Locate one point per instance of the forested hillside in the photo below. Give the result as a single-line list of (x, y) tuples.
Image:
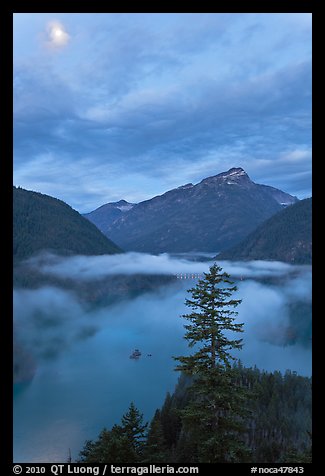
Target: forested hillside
[(286, 236), (41, 222), (278, 427)]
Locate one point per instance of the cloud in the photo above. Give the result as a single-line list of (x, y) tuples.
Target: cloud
[(48, 320), (177, 141), (41, 94), (83, 268), (87, 268), (166, 96), (51, 320), (267, 324), (296, 155)]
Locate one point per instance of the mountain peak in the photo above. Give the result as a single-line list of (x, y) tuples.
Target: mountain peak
[(234, 171), (123, 205), (120, 202), (233, 175), (211, 215)]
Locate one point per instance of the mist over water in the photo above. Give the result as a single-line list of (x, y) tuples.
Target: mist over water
[(85, 379)]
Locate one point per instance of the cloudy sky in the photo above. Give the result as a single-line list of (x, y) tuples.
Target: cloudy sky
[(112, 106)]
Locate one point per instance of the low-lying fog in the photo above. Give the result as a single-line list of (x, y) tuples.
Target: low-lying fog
[(85, 379)]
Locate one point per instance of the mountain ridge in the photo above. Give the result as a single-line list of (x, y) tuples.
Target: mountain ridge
[(212, 215), (286, 236), (104, 215), (42, 222)]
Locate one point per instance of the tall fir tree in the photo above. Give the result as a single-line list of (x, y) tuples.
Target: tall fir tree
[(134, 428), (213, 420), (122, 444), (111, 446)]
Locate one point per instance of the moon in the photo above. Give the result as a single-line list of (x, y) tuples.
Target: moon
[(57, 34)]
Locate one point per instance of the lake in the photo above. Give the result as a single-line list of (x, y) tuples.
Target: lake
[(89, 381)]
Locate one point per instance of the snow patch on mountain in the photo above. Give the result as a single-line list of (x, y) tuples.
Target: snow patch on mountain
[(125, 208)]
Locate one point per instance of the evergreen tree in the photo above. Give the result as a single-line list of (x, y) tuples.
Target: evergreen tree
[(122, 444), (279, 425), (214, 418), (111, 446), (134, 428), (170, 421), (210, 318), (88, 453), (156, 450)]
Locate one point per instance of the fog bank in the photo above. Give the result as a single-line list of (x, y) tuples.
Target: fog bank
[(50, 319), (88, 268), (85, 379)]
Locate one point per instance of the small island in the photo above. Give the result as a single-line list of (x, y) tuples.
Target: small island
[(136, 354)]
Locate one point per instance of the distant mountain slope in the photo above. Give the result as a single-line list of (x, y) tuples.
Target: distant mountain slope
[(105, 215), (41, 222), (286, 236), (212, 215)]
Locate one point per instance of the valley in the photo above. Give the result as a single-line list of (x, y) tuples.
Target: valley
[(82, 303), (84, 377), (162, 218)]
